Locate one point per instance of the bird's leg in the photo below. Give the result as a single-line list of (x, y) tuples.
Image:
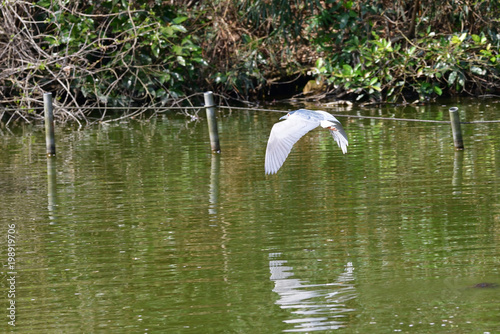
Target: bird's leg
[(328, 125)]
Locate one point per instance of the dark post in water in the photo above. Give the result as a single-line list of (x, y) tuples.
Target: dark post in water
[(456, 129), (212, 122), (49, 124)]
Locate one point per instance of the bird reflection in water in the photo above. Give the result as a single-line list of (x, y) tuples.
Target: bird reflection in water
[(314, 306)]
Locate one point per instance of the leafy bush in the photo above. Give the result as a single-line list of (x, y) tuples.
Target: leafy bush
[(107, 53), (369, 54), (425, 68), (128, 53)]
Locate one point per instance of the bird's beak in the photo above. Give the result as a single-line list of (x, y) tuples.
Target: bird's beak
[(284, 117)]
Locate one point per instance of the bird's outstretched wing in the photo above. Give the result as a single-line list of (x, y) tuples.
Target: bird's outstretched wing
[(282, 138)]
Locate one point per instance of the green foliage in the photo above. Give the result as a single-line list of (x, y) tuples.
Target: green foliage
[(339, 22), (131, 54), (366, 49), (367, 66), (143, 52)]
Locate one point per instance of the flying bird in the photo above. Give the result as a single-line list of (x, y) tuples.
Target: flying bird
[(296, 124)]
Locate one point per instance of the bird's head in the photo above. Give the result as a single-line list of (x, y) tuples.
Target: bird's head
[(287, 115)]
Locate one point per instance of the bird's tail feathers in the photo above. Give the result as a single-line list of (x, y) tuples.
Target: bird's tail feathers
[(338, 133), (341, 139)]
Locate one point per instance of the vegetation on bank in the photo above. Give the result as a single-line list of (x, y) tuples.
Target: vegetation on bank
[(134, 53)]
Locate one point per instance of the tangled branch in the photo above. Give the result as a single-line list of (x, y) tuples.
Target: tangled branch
[(103, 57)]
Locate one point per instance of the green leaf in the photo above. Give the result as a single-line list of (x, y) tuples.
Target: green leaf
[(438, 90), (456, 40), (477, 70), (344, 19), (347, 70), (479, 39), (452, 77), (376, 87), (320, 62), (160, 92), (155, 49), (179, 19), (200, 60), (220, 78), (44, 3), (177, 27), (461, 80), (164, 77), (167, 31), (178, 50), (181, 60)]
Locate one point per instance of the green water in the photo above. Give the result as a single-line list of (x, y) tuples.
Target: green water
[(137, 227)]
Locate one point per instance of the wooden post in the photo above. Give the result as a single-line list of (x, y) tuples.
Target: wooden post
[(49, 124), (456, 129), (212, 122)]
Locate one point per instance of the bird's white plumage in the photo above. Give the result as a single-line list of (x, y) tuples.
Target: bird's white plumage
[(285, 134), (338, 134)]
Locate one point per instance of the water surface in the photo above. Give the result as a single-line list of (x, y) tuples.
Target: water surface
[(138, 227)]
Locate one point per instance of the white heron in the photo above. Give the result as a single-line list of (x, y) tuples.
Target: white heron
[(297, 123)]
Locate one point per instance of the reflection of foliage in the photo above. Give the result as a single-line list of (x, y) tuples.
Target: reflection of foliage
[(148, 219)]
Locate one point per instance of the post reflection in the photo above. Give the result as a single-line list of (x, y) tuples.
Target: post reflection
[(51, 185), (213, 192), (458, 163)]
